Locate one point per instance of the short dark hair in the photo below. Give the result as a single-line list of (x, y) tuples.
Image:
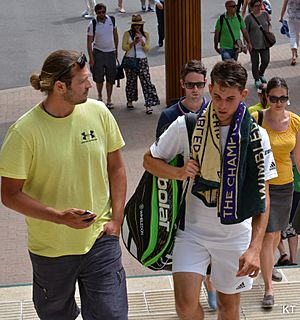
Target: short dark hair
[(276, 82), (55, 64), (100, 6), (192, 66), (229, 74)]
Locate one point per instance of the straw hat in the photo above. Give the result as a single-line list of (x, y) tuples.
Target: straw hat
[(136, 19)]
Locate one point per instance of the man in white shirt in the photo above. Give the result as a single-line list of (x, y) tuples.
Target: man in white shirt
[(233, 247), (102, 47)]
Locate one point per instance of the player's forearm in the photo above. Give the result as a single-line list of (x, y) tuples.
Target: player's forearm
[(159, 168)]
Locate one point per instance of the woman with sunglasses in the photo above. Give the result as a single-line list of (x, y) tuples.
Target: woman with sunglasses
[(136, 44), (283, 128)]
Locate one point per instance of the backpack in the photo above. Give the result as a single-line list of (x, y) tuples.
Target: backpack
[(94, 21), (153, 214)]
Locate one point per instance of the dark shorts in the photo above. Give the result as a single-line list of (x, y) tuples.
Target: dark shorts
[(101, 280), (104, 65), (281, 197)]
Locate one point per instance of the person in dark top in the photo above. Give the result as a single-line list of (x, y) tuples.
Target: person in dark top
[(193, 80)]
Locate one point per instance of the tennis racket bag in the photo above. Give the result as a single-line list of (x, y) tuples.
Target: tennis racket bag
[(153, 214)]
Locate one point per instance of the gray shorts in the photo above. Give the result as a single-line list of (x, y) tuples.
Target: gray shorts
[(101, 280), (281, 197), (104, 65)]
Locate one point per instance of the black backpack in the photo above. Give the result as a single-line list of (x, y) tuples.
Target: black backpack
[(153, 215)]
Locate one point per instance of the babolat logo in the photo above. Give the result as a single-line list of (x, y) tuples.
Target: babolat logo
[(163, 204), (88, 136)]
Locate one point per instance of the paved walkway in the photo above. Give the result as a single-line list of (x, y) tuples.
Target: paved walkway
[(138, 130)]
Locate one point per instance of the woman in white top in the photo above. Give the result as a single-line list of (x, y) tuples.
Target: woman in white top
[(293, 10), (136, 44)]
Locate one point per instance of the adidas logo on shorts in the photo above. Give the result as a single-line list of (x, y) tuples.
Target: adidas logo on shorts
[(272, 165), (241, 286)]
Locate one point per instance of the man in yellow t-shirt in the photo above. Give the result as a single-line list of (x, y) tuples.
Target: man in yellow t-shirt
[(61, 166)]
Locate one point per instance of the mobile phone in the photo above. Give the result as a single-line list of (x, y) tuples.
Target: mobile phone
[(88, 212)]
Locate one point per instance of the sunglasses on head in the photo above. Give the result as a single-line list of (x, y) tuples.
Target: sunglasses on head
[(191, 85), (275, 99), (81, 60)]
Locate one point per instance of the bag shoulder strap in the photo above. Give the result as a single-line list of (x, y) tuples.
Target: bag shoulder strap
[(230, 30), (113, 20), (132, 37), (260, 117), (190, 121), (239, 18), (259, 25), (94, 21)]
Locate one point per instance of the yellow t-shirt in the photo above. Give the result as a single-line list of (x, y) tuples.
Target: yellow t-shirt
[(282, 144), (64, 163)]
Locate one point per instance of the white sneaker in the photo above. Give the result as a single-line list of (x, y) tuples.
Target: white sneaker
[(122, 10), (84, 13), (89, 16)]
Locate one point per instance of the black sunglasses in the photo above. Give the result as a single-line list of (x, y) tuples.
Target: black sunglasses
[(232, 6), (275, 99), (81, 60), (191, 85), (100, 12)]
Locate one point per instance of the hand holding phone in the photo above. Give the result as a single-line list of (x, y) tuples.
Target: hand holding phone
[(88, 212)]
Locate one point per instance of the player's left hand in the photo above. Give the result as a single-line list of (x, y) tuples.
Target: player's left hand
[(249, 263), (112, 227)]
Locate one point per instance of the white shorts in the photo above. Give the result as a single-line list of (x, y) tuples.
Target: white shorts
[(190, 255)]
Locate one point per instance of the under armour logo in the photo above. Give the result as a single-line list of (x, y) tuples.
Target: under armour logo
[(88, 136)]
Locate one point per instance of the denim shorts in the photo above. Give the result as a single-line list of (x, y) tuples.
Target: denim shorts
[(101, 281), (229, 54)]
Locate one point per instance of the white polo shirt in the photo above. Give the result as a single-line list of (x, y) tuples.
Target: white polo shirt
[(104, 35)]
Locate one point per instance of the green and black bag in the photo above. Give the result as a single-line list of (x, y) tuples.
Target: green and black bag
[(154, 213)]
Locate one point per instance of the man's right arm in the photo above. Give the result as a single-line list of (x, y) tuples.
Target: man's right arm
[(217, 35), (216, 41), (160, 168), (14, 198)]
